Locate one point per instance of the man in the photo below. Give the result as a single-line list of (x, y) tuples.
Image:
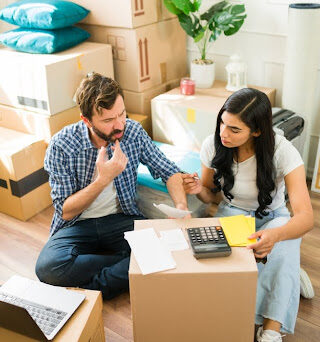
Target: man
[(92, 168)]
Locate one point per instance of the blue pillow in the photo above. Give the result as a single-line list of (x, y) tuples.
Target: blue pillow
[(43, 41), (43, 14)]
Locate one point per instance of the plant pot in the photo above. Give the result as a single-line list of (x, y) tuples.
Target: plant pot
[(202, 72)]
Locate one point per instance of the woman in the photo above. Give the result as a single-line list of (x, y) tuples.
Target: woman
[(246, 167)]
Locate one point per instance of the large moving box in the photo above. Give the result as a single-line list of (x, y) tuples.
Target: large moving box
[(200, 300), (42, 126), (47, 83), (124, 13), (85, 325), (185, 120), (141, 102), (146, 56), (24, 187)]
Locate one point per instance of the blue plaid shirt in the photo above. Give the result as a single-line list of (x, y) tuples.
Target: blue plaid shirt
[(70, 161)]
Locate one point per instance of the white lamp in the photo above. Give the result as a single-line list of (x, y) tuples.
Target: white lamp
[(237, 73)]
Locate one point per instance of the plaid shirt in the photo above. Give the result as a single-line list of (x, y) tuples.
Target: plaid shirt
[(70, 161)]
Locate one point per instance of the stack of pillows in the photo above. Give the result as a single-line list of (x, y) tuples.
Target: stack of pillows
[(45, 25)]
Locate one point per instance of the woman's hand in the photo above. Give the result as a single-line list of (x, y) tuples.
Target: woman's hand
[(191, 183), (267, 239)]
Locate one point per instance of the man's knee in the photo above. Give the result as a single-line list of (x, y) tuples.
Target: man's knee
[(48, 269)]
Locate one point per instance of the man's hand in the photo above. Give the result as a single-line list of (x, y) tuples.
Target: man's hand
[(268, 237), (191, 183), (108, 169)]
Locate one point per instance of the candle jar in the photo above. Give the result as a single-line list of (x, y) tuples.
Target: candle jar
[(187, 86)]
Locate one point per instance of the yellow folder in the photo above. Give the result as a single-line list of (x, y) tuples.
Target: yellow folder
[(237, 229)]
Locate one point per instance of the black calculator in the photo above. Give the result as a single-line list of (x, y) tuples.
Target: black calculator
[(208, 242)]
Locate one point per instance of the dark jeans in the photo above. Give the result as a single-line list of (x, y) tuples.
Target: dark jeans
[(91, 254)]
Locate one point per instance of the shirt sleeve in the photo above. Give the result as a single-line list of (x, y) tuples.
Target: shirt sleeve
[(63, 184), (156, 161), (207, 151), (287, 157)]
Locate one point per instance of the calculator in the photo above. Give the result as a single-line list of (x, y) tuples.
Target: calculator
[(208, 242)]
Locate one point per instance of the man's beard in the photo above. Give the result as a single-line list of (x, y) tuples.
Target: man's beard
[(108, 138)]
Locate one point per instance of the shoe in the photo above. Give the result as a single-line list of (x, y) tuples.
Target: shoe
[(268, 335), (306, 289)]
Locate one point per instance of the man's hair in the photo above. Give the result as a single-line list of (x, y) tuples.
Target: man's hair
[(97, 91)]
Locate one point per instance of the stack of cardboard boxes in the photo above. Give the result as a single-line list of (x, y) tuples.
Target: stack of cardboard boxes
[(36, 101), (148, 46)]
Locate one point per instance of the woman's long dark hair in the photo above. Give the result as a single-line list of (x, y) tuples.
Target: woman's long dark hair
[(254, 109)]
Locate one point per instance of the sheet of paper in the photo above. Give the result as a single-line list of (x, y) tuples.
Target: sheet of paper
[(174, 239), (151, 255), (237, 229), (171, 211), (252, 229)]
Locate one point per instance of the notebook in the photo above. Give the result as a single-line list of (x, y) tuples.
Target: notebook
[(237, 230), (35, 309)]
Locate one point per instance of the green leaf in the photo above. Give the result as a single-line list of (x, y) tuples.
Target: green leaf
[(199, 36), (223, 18), (235, 28), (187, 24), (196, 5), (186, 6), (237, 9), (212, 10), (171, 7), (214, 36)]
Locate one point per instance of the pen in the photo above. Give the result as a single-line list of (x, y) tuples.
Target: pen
[(195, 177)]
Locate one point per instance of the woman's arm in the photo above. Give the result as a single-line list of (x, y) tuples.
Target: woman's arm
[(299, 224), (201, 187), (302, 220)]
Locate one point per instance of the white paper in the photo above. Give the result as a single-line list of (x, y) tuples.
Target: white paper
[(174, 239), (151, 255), (171, 211)]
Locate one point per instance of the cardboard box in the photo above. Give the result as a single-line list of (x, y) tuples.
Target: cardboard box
[(47, 83), (124, 13), (219, 90), (144, 120), (141, 102), (146, 56), (199, 300), (24, 187), (186, 121), (42, 126), (84, 325)]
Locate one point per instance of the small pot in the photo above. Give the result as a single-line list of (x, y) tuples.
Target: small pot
[(203, 72)]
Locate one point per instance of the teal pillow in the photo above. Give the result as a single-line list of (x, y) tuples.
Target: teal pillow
[(43, 14), (43, 41)]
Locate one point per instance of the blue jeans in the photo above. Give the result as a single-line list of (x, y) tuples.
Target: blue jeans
[(91, 254), (278, 288)]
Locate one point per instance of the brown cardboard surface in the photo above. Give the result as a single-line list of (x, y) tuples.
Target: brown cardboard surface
[(186, 120), (85, 324), (24, 190), (198, 300), (124, 13), (46, 83), (144, 120), (40, 125), (141, 102), (219, 90), (146, 56)]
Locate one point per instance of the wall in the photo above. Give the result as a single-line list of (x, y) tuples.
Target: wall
[(261, 42)]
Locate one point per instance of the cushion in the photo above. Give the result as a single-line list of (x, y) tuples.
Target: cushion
[(43, 14), (43, 41)]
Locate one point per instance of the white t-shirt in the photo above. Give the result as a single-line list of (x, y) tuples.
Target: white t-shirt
[(106, 203), (245, 191)]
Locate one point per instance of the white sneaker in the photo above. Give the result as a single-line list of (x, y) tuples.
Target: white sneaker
[(306, 289), (268, 335)]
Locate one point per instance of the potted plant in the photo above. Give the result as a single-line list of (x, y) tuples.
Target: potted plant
[(205, 28)]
